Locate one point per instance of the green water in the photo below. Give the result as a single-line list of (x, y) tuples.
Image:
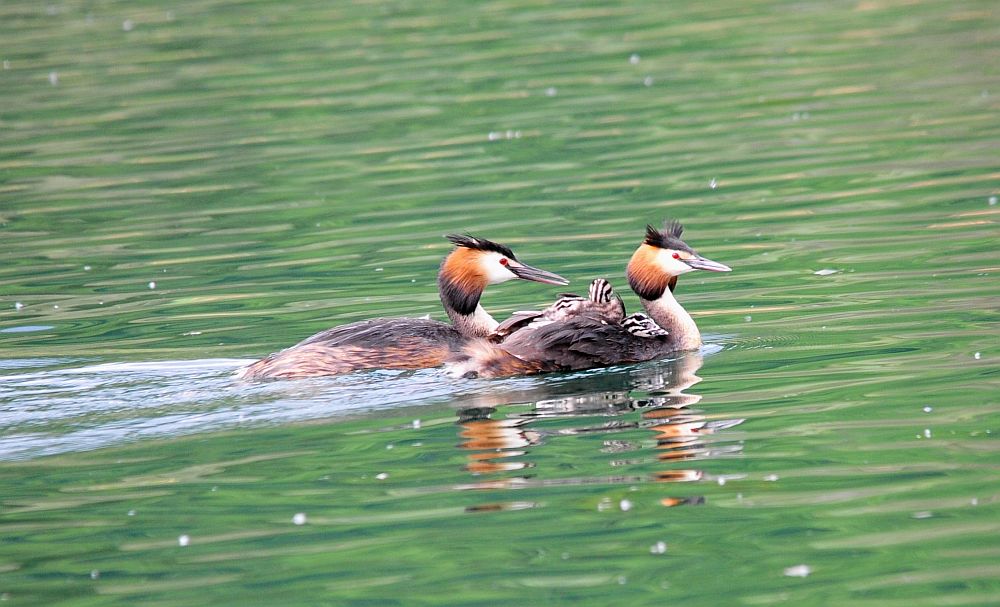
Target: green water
[(185, 187)]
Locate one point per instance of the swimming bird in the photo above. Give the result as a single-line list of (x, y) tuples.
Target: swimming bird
[(410, 343), (590, 337)]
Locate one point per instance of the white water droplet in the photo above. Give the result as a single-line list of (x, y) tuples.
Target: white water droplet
[(299, 518), (184, 540), (152, 284), (798, 571), (625, 505), (658, 548)]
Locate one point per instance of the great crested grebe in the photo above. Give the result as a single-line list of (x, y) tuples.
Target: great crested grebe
[(410, 343), (590, 336)]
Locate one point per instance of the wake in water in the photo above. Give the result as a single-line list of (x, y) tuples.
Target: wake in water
[(50, 411)]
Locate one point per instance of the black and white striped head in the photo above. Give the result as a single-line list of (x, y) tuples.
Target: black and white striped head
[(601, 291), (641, 325)]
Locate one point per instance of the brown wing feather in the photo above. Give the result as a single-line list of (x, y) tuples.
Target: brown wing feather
[(381, 343)]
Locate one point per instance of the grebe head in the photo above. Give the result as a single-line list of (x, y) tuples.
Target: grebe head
[(661, 258), (494, 262), (476, 263)]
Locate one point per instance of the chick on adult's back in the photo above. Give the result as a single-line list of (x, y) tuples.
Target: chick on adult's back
[(585, 340)]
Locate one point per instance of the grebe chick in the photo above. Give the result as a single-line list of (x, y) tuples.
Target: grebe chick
[(601, 303), (410, 343), (582, 341)]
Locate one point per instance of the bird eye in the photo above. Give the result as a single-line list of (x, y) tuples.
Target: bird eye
[(676, 255), (503, 261)]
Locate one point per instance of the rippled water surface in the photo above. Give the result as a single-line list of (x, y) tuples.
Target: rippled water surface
[(186, 187)]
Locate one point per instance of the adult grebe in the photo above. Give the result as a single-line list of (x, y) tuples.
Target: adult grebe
[(410, 343), (592, 337)]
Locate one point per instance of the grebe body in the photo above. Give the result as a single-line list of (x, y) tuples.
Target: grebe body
[(410, 343)]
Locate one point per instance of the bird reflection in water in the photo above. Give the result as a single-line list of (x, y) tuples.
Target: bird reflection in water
[(499, 434)]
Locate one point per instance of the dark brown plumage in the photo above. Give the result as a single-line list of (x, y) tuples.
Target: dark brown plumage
[(573, 333), (601, 303)]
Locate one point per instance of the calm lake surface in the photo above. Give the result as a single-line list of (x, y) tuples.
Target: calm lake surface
[(185, 187)]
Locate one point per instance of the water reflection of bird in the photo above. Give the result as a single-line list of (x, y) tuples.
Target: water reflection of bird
[(410, 343), (595, 332), (498, 438)]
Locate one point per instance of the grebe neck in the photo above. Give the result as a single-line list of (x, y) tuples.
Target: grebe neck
[(461, 301), (477, 324), (671, 315)]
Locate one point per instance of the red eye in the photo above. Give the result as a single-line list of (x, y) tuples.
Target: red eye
[(503, 261), (676, 255)]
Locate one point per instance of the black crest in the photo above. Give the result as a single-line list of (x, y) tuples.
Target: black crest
[(667, 238), (480, 244)]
